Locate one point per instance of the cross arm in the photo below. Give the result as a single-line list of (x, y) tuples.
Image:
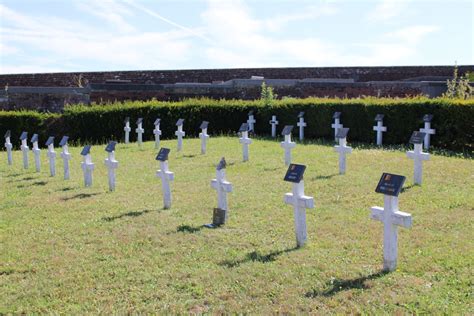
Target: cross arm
[(303, 201), (402, 219), (377, 213)]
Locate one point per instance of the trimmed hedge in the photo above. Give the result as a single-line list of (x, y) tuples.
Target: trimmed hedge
[(453, 119)]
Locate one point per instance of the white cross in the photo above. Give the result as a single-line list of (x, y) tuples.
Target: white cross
[(9, 146), (52, 160), (180, 135), (336, 126), (288, 145), (222, 186), (379, 128), (36, 152), (139, 132), (157, 133), (342, 149), (301, 124), (127, 130), (87, 168), (273, 123), (204, 137), (429, 131), (251, 121), (166, 176), (24, 148), (245, 141), (391, 217), (111, 164), (418, 156), (300, 203), (66, 156)]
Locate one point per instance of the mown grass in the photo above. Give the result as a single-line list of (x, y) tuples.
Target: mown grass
[(69, 249)]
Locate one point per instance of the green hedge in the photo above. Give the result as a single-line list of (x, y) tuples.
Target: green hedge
[(453, 119)]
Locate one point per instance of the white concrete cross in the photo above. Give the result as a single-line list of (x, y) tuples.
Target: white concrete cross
[(336, 126), (111, 163), (36, 152), (300, 203), (87, 166), (204, 136), (391, 217), (157, 133), (418, 156), (273, 122), (222, 186), (66, 156), (9, 146), (180, 134), (251, 121), (139, 132), (52, 156), (127, 130), (288, 145), (245, 141), (24, 148), (428, 131), (342, 149), (166, 176), (379, 129), (301, 124)]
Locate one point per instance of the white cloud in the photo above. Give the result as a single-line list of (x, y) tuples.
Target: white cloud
[(412, 34), (385, 10), (109, 11)]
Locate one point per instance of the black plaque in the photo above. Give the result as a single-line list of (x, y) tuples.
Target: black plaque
[(244, 127), (222, 164), (301, 114), (8, 134), (295, 173), (24, 135), (127, 120), (86, 150), (110, 146), (49, 141), (336, 115), (63, 141), (180, 122), (204, 125), (417, 137), (428, 117), (390, 184), (163, 154), (342, 132), (140, 120), (34, 138), (379, 117), (157, 121), (218, 217), (287, 130)]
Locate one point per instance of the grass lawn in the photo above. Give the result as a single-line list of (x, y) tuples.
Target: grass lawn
[(71, 250)]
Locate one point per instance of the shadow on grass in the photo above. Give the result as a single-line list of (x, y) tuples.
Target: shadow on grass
[(79, 196), (404, 189), (321, 177), (339, 285), (256, 256), (37, 183), (66, 189), (13, 271), (189, 156), (128, 214), (189, 229)]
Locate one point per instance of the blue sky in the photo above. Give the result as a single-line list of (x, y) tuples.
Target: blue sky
[(100, 35)]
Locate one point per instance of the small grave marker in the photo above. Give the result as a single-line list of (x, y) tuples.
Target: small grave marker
[(111, 164), (87, 165), (337, 125), (299, 201), (245, 140), (157, 133), (140, 131), (36, 152), (203, 136), (390, 185), (127, 130), (273, 122), (251, 121), (9, 146), (24, 149), (342, 148), (51, 155), (379, 128), (222, 186), (418, 155), (288, 145), (165, 175), (301, 124), (65, 155), (427, 130), (180, 133)]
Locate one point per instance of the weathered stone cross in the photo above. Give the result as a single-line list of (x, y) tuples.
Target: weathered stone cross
[(342, 149), (24, 149), (301, 124), (127, 130), (165, 175), (65, 155), (273, 122), (288, 145), (203, 136), (180, 133), (222, 186), (36, 152), (111, 164), (418, 156), (336, 126), (8, 146), (245, 140), (139, 132), (427, 130), (379, 128), (157, 133), (251, 121), (51, 155), (87, 165)]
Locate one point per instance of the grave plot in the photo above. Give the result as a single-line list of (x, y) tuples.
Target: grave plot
[(74, 249)]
